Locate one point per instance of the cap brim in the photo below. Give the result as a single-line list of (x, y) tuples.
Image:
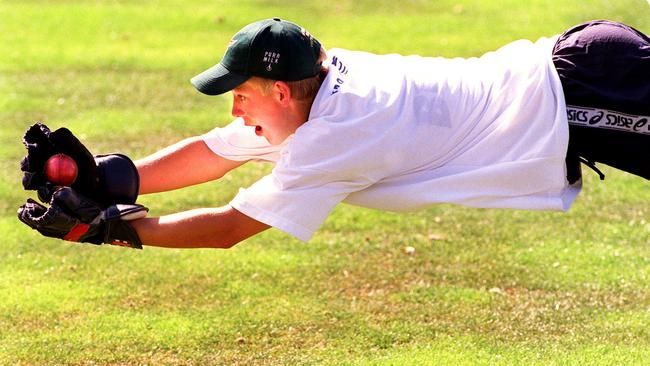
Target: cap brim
[(217, 80)]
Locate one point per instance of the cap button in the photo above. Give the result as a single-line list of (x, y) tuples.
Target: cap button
[(277, 19)]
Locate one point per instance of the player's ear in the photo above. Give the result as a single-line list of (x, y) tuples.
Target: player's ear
[(282, 91)]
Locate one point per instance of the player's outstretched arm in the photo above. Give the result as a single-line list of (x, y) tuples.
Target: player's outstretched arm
[(183, 164), (200, 228), (71, 216)]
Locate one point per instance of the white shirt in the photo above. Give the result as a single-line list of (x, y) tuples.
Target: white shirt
[(401, 133)]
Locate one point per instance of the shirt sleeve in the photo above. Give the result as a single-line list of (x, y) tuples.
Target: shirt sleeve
[(238, 142)]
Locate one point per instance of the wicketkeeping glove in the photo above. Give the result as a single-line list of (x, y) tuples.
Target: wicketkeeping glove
[(106, 179), (74, 217)]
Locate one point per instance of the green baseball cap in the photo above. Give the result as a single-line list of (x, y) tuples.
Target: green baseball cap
[(272, 48)]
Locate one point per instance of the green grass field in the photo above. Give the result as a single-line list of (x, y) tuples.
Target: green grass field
[(486, 287)]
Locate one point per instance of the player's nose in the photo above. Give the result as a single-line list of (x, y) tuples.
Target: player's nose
[(236, 111)]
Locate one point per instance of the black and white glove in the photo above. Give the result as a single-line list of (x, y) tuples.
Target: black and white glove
[(73, 217), (106, 179)]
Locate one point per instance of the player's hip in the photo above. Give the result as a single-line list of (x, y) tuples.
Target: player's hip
[(604, 68)]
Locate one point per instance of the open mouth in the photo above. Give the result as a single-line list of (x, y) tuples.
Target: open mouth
[(258, 130)]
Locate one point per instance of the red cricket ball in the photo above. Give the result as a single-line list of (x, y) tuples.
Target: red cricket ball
[(61, 170)]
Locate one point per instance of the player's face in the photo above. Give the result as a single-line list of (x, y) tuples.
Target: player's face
[(263, 112)]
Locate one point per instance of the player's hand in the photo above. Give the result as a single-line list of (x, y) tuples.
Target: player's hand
[(41, 144), (73, 217), (107, 179)]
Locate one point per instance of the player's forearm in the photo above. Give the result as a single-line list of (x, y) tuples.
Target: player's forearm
[(185, 163), (199, 228)]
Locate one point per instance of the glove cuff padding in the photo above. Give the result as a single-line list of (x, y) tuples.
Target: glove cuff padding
[(121, 233), (118, 231), (120, 181)]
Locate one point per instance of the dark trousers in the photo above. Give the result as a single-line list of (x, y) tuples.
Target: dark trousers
[(604, 68)]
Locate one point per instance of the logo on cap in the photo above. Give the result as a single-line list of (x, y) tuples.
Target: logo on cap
[(271, 58)]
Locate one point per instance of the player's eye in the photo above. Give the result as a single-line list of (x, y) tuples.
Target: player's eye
[(239, 97)]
